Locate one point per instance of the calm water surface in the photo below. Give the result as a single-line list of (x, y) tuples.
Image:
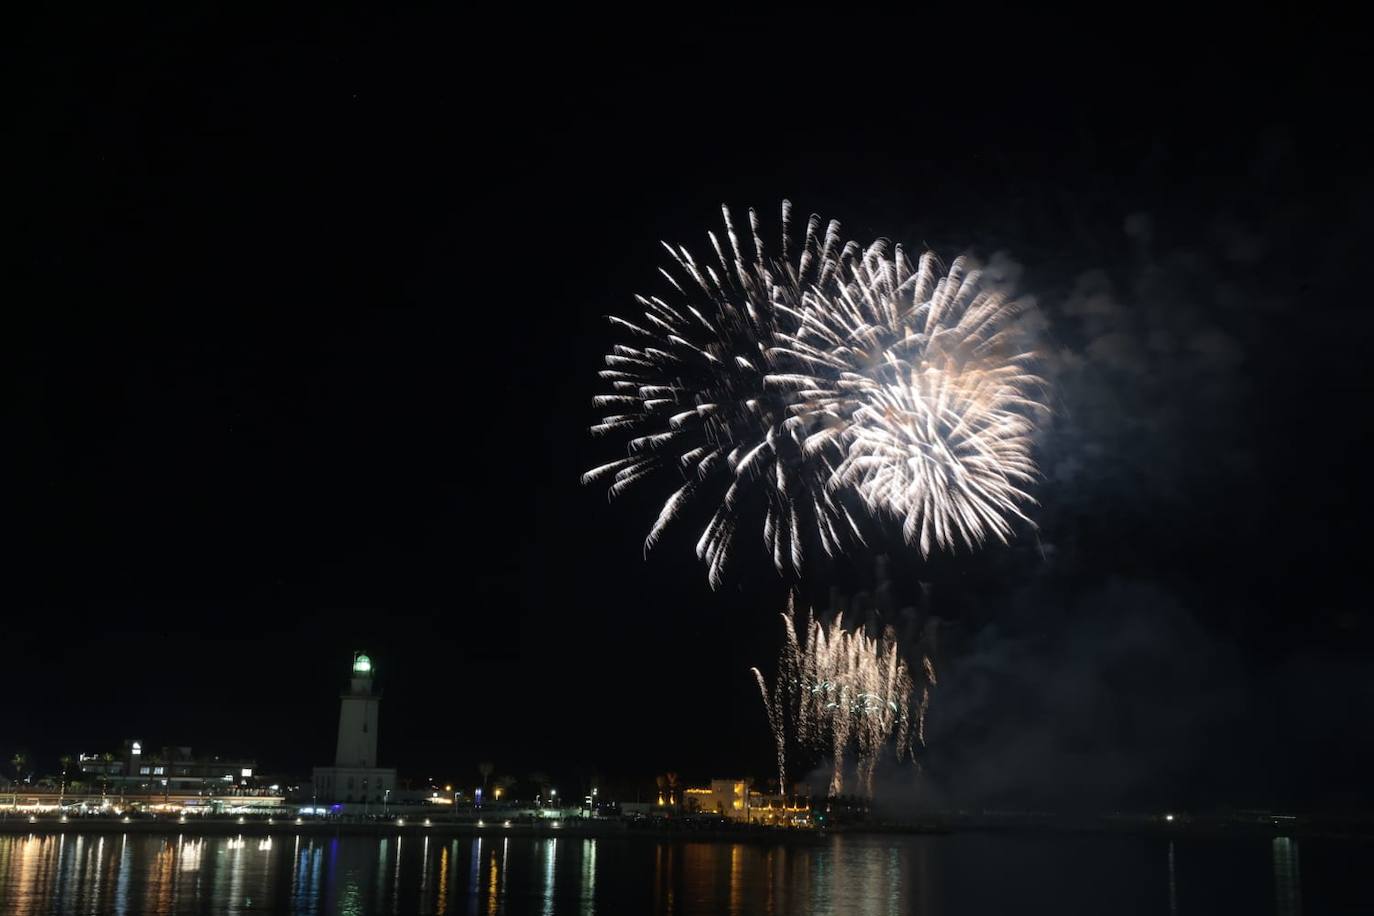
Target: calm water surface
[(138, 874)]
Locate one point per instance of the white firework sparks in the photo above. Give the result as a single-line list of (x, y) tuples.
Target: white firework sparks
[(839, 689), (690, 392), (781, 385), (921, 382)]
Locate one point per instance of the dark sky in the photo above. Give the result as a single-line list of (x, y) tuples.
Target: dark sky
[(308, 313)]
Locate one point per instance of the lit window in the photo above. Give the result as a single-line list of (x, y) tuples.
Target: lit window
[(144, 771), (157, 771)]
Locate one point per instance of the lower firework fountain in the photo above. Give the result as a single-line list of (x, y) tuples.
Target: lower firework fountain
[(844, 693)]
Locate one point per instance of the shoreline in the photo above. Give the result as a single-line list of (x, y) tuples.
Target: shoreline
[(380, 829), (1351, 830)]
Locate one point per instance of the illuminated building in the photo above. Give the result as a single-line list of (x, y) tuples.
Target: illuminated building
[(355, 776), (734, 800), (779, 810), (159, 780), (173, 769), (728, 798)]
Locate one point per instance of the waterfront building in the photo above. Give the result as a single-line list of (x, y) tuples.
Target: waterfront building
[(728, 798), (734, 799), (168, 769), (776, 810), (355, 776)]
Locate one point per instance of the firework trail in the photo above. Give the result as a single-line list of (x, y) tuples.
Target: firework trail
[(920, 380), (838, 689), (690, 392), (925, 700)]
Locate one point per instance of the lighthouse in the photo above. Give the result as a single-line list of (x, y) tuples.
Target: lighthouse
[(358, 708), (355, 782)]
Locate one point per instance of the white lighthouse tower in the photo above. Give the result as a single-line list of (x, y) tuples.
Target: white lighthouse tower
[(358, 707), (355, 782)]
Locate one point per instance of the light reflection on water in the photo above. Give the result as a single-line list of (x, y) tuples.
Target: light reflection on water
[(863, 876), (1287, 886)]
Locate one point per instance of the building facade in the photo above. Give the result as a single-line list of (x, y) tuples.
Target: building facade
[(175, 769), (734, 800)]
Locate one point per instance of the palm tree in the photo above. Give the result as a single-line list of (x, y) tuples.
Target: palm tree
[(18, 761), (66, 761), (108, 760), (485, 768), (541, 780)]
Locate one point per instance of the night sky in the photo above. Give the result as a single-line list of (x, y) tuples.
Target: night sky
[(308, 314)]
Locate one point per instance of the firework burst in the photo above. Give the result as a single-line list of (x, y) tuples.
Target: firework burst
[(828, 382), (839, 691), (919, 381), (689, 390)]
